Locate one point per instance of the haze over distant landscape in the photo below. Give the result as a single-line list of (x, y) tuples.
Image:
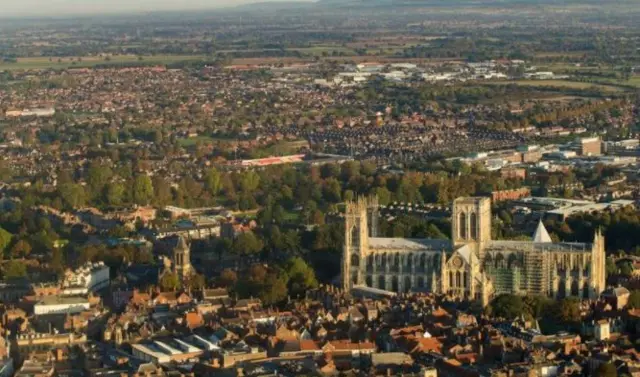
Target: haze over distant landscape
[(58, 8)]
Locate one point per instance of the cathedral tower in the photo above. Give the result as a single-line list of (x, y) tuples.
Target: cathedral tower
[(471, 223), (361, 222), (598, 265)]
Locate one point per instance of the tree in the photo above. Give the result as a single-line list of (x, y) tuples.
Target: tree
[(274, 289), (568, 310), (332, 191), (196, 281), (249, 181), (537, 306), (157, 135), (169, 282), (607, 370), (626, 269), (300, 276), (5, 240), (222, 246), (252, 281), (384, 195), (15, 269), (142, 190), (228, 278), (507, 306), (97, 177), (162, 191), (115, 193), (213, 181), (21, 249), (247, 243), (72, 195)]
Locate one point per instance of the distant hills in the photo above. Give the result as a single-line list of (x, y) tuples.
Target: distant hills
[(453, 3), (374, 4)]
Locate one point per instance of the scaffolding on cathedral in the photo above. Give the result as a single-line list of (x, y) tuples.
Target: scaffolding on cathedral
[(537, 273)]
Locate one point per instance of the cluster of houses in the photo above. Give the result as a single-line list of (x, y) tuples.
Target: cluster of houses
[(329, 332)]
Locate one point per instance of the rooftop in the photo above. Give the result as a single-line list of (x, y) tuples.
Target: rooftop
[(62, 300), (407, 244)]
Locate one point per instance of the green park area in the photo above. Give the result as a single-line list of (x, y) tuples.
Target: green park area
[(41, 62)]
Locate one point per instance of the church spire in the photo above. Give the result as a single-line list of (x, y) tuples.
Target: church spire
[(541, 235)]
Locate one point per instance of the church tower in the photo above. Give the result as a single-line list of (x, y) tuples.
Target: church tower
[(598, 266), (471, 223), (358, 217), (182, 259)]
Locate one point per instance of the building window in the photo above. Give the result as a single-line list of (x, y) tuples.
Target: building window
[(473, 220), (575, 290), (562, 293), (355, 260), (463, 226), (381, 282), (585, 290), (355, 237)]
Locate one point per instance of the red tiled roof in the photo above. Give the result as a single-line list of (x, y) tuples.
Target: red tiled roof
[(428, 345), (308, 345), (194, 320)]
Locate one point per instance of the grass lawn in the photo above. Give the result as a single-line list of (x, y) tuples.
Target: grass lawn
[(90, 61), (292, 217)]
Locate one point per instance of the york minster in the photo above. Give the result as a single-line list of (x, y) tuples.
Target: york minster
[(470, 266)]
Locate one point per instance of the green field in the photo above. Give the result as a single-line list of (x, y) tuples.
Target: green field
[(90, 61), (319, 50), (634, 81), (558, 84)]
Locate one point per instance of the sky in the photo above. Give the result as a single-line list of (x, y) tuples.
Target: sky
[(57, 8)]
